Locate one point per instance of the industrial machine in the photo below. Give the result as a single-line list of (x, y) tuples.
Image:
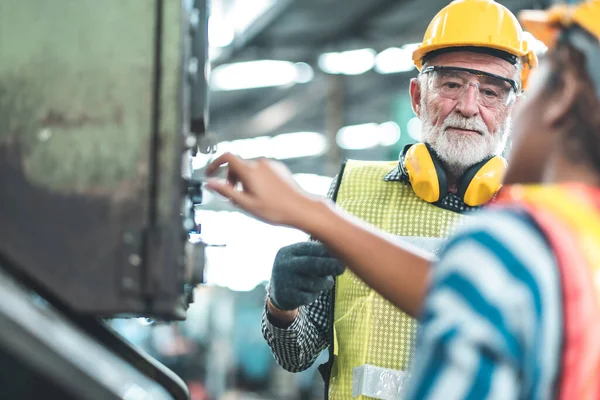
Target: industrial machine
[(102, 105)]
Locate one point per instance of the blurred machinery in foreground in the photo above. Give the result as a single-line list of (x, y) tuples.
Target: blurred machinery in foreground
[(102, 103)]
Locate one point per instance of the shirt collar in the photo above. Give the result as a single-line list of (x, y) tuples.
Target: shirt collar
[(395, 175)]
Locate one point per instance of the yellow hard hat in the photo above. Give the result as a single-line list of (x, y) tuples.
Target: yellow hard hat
[(545, 25), (477, 24)]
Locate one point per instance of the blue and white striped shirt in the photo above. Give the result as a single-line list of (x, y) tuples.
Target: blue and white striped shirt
[(492, 320)]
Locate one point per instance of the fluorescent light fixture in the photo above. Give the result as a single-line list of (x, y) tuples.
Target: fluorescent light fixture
[(414, 128), (257, 74), (330, 63), (244, 12), (357, 137), (220, 33), (394, 60), (389, 133), (357, 62), (410, 47), (304, 73), (246, 148), (366, 136), (352, 62), (299, 144), (280, 147)]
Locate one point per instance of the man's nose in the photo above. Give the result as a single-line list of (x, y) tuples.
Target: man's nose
[(468, 102)]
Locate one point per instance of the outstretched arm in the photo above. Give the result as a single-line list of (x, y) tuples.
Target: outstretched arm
[(398, 271)]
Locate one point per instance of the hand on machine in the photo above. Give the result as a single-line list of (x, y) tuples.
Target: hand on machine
[(263, 187)]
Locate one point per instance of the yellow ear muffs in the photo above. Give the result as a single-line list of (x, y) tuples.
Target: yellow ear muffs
[(477, 186), (482, 181), (426, 175)]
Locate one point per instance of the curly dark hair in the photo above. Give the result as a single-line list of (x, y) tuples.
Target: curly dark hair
[(582, 122)]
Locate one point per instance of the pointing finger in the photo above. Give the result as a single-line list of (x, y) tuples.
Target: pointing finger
[(236, 165), (224, 189)]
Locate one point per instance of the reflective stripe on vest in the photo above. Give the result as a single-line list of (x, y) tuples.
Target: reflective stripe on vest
[(371, 336), (569, 216)]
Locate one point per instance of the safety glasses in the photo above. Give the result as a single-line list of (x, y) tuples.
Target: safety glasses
[(451, 82)]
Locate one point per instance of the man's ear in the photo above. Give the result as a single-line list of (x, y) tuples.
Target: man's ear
[(415, 96), (561, 103)]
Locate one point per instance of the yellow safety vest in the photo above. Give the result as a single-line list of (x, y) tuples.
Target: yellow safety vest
[(373, 340)]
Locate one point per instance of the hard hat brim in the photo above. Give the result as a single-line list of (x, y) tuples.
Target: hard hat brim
[(423, 50)]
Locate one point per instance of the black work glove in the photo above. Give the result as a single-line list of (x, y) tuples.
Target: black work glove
[(300, 273)]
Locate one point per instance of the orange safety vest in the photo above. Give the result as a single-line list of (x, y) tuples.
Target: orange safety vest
[(569, 216)]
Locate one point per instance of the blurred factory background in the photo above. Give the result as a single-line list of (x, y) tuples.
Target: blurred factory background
[(310, 83)]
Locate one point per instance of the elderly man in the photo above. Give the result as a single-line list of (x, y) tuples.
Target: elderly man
[(473, 64)]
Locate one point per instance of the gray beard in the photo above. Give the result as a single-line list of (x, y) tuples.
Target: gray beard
[(459, 151)]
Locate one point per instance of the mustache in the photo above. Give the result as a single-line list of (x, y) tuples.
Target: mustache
[(472, 124)]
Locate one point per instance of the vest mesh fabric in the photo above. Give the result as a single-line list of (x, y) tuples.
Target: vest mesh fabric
[(367, 328)]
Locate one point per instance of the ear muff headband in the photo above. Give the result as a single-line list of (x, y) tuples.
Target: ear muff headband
[(477, 186)]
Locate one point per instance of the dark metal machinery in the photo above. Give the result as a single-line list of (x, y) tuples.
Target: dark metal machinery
[(102, 103)]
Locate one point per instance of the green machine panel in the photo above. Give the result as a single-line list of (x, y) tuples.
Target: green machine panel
[(97, 101)]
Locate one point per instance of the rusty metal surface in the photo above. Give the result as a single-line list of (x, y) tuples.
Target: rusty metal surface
[(90, 176)]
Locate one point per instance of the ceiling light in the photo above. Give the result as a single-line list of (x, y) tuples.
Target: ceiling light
[(410, 47), (352, 62), (220, 33), (299, 144), (366, 136), (389, 133), (330, 63), (257, 74), (280, 147), (304, 72), (244, 12), (394, 60), (357, 137)]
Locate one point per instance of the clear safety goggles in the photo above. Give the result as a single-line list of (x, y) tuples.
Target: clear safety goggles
[(451, 82)]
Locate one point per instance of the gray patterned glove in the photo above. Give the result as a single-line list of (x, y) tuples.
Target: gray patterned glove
[(300, 273)]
